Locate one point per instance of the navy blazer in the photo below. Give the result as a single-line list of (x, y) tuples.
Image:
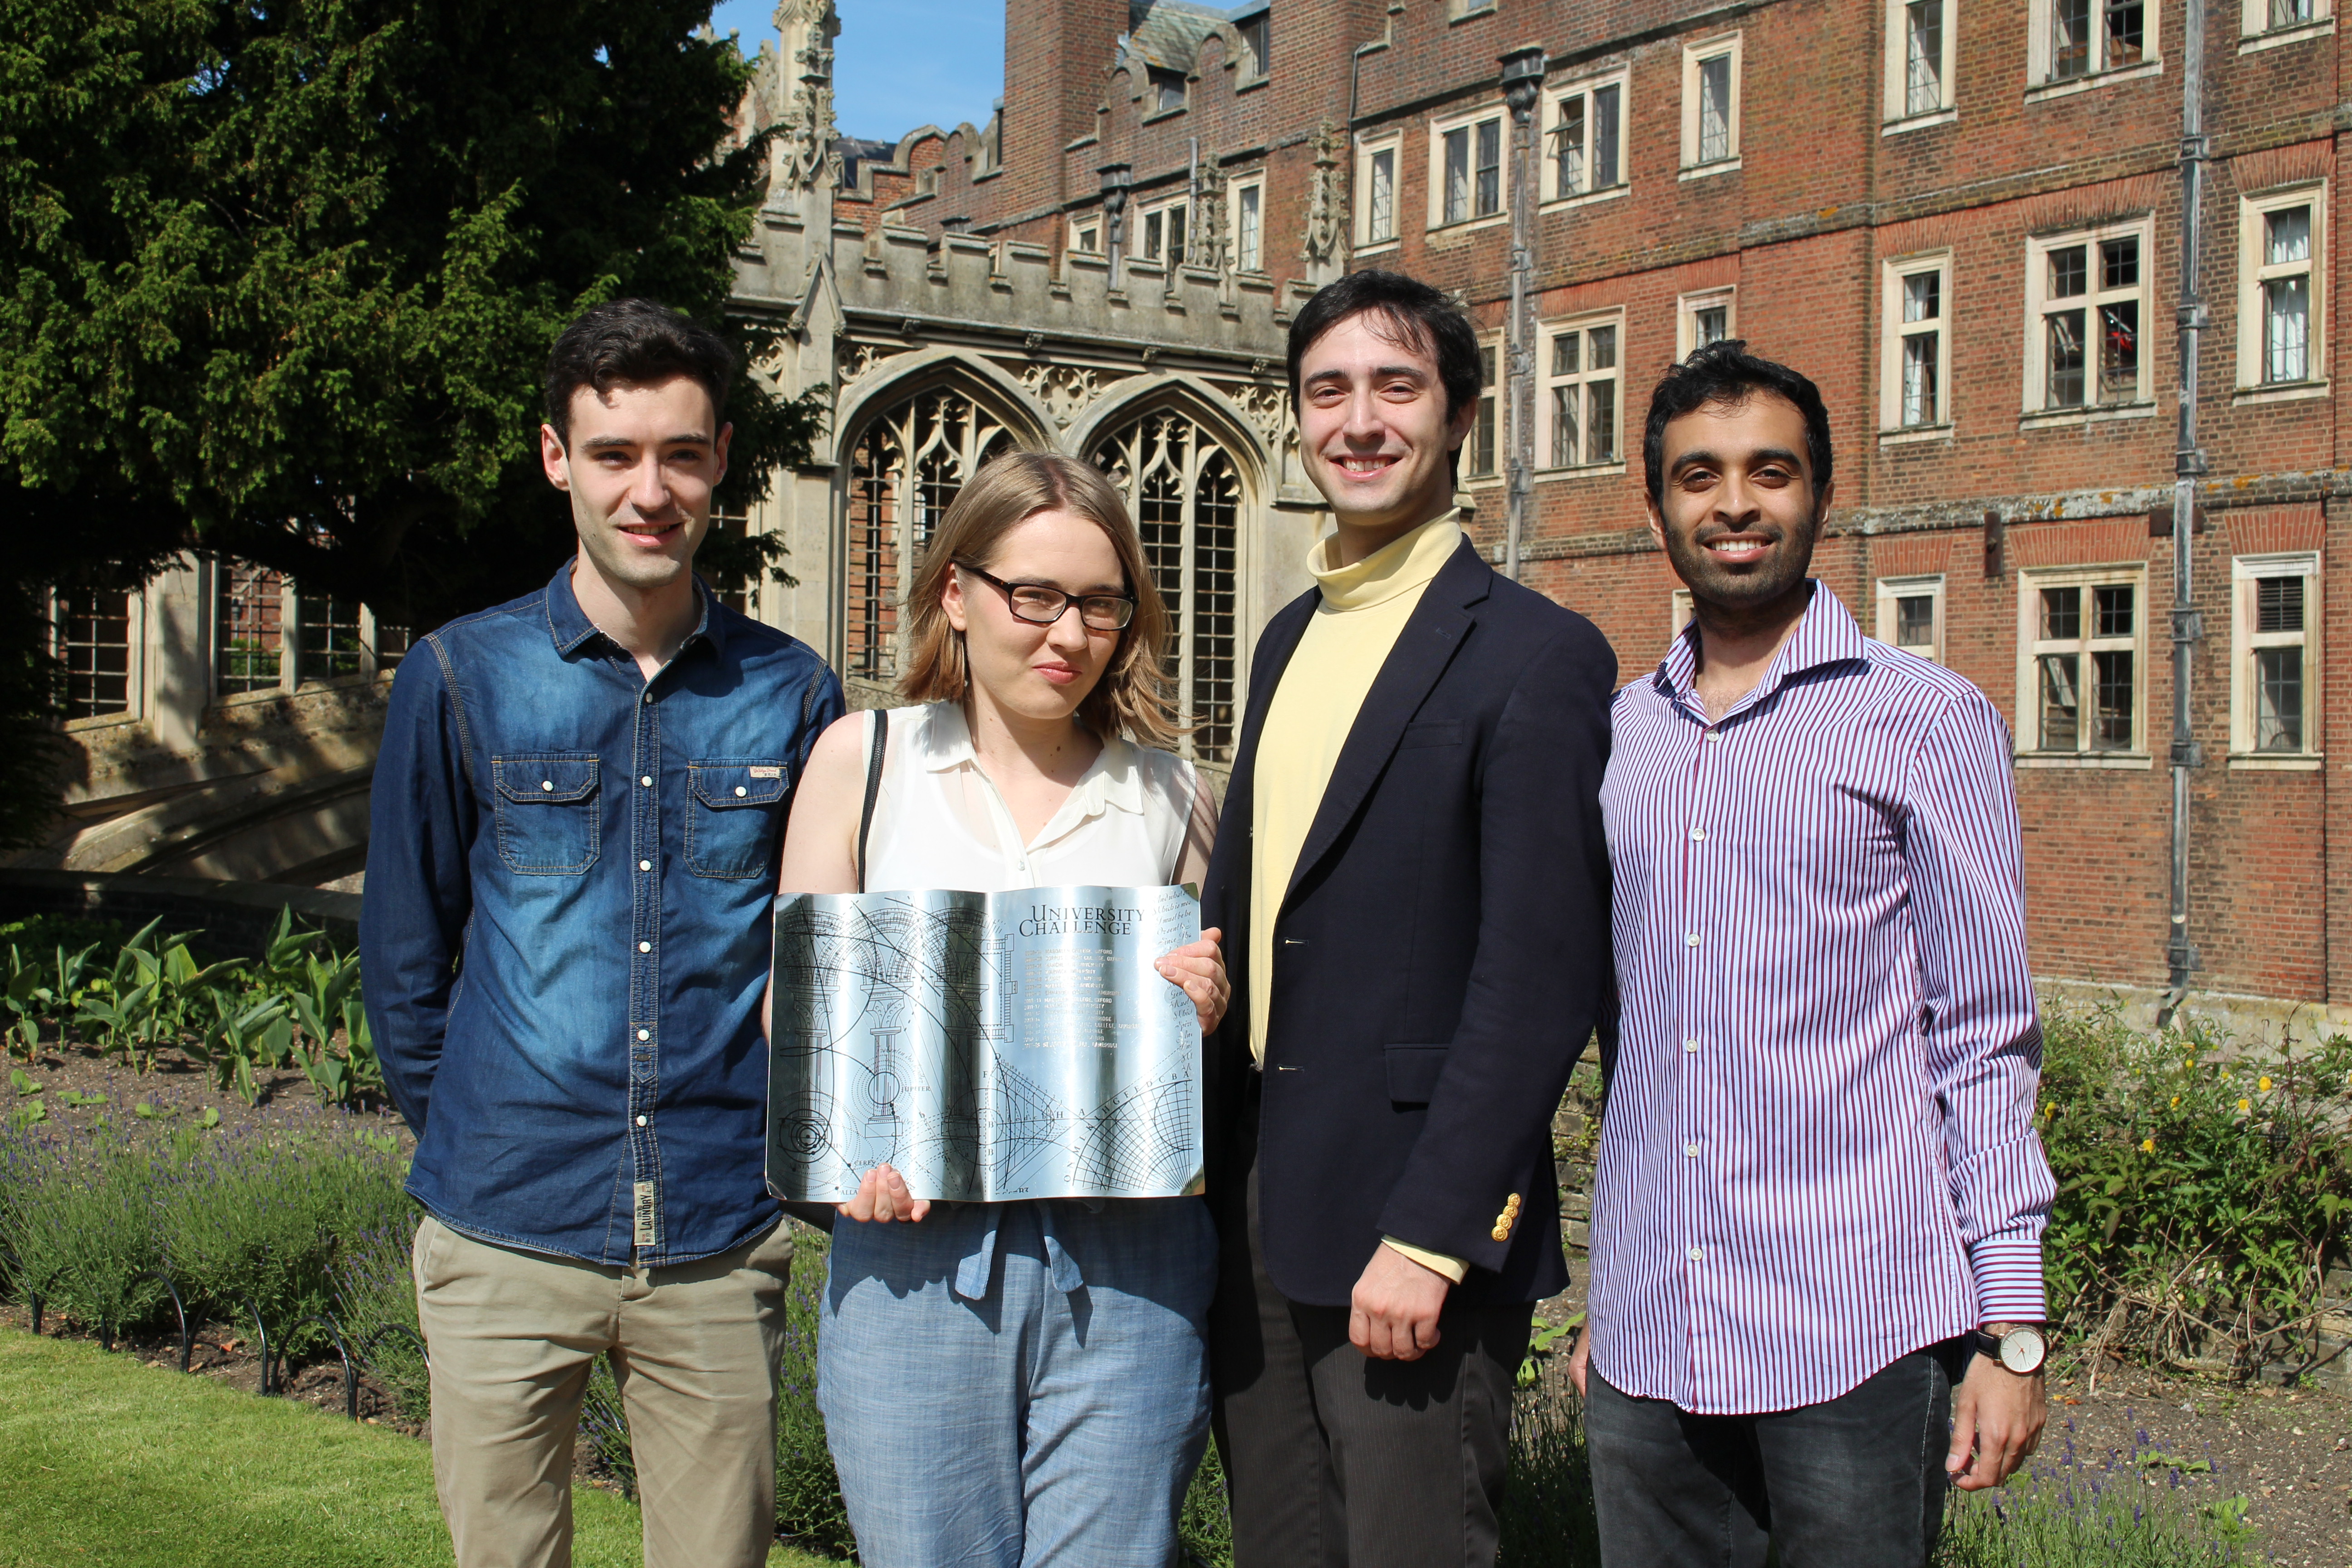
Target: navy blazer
[(1442, 952)]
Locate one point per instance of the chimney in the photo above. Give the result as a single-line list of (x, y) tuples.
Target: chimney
[(1057, 56)]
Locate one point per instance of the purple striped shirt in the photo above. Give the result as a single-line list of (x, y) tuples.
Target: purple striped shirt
[(1819, 1152)]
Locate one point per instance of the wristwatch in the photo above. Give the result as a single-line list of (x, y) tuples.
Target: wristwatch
[(2019, 1347)]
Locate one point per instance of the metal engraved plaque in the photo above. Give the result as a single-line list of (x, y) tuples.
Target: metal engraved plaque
[(991, 1047)]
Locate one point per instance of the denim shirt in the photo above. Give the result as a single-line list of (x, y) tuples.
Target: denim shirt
[(565, 938)]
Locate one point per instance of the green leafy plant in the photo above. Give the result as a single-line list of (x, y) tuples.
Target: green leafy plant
[(1541, 1343), (2200, 1188), (245, 1032)]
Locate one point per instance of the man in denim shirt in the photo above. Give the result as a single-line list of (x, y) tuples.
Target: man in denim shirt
[(565, 941)]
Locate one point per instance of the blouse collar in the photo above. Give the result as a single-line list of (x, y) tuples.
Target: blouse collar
[(1114, 778)]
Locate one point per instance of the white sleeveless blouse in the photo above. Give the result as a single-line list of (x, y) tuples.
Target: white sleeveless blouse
[(939, 823)]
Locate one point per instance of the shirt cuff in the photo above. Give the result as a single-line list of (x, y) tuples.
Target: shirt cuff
[(1453, 1269), (2008, 1274)]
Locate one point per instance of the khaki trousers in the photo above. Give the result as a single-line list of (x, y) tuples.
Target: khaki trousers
[(695, 1348)]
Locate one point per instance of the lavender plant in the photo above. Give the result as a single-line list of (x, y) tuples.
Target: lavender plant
[(263, 1219), (373, 1292), (809, 1510), (78, 1216), (2141, 1510)]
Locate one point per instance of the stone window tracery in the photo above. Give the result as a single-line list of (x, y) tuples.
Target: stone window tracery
[(1186, 493), (905, 469)]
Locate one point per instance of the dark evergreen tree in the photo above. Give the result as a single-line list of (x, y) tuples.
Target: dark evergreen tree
[(277, 279)]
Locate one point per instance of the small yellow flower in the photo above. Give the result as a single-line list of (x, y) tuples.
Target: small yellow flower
[(2225, 1072), (2245, 1105), (2176, 1100), (2147, 1145), (2264, 1085), (2189, 1063)]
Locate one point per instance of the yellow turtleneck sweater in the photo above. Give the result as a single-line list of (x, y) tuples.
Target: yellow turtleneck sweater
[(1364, 610)]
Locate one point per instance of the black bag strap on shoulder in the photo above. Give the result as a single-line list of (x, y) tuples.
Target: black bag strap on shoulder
[(881, 727)]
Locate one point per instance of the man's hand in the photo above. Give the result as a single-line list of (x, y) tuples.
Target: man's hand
[(1997, 1419), (882, 1195), (1392, 1314), (1581, 1358)]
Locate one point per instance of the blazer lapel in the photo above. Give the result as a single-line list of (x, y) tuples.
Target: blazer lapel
[(1431, 636)]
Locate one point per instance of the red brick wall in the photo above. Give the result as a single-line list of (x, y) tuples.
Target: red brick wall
[(1824, 197)]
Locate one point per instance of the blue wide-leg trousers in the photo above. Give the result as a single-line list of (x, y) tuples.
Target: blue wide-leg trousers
[(1056, 1418)]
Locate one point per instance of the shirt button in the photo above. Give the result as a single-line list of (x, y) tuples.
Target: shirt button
[(647, 781), (645, 1034), (1711, 737), (1690, 1045), (1691, 941), (641, 1121), (644, 947), (644, 865), (547, 784), (1699, 833), (1691, 1149), (739, 790), (1694, 1254)]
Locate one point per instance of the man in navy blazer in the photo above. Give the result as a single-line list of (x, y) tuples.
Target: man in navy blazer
[(1413, 879)]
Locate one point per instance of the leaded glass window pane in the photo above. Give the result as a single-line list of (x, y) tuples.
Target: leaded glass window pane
[(2278, 699), (1714, 109)]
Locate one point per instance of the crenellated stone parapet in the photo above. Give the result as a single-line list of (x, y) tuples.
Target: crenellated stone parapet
[(973, 283)]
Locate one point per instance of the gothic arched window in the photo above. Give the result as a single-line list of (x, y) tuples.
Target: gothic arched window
[(905, 468), (1186, 495)]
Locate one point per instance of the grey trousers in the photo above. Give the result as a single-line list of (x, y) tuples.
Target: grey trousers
[(1853, 1482), (1335, 1460)]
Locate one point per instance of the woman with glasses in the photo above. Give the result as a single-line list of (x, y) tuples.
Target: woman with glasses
[(1018, 1384)]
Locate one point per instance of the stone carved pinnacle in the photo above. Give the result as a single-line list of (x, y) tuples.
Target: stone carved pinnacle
[(1327, 209)]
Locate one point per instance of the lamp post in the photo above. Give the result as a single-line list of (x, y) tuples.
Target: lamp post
[(1523, 75), (1116, 179)]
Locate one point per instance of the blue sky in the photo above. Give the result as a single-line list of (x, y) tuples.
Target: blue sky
[(900, 63)]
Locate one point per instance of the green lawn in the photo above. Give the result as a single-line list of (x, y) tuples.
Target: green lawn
[(105, 1461)]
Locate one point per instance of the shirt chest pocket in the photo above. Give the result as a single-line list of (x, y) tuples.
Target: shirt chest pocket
[(547, 813), (730, 822)]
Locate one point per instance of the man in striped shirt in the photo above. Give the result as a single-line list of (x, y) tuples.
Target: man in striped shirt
[(1816, 1278)]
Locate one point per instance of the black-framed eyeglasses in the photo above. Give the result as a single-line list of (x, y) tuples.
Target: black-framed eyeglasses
[(1042, 607)]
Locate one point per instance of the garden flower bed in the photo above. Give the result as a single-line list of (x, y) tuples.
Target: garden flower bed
[(151, 1166)]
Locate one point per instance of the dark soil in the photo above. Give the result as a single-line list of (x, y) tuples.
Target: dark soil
[(2287, 1451), (178, 1091)]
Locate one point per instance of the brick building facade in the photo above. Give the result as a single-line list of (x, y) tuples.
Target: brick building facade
[(1963, 219)]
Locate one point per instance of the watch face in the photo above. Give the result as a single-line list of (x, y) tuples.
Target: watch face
[(2021, 1351)]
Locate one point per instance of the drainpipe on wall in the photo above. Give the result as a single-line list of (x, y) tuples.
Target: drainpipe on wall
[(1523, 74), (1355, 80), (2189, 465)]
